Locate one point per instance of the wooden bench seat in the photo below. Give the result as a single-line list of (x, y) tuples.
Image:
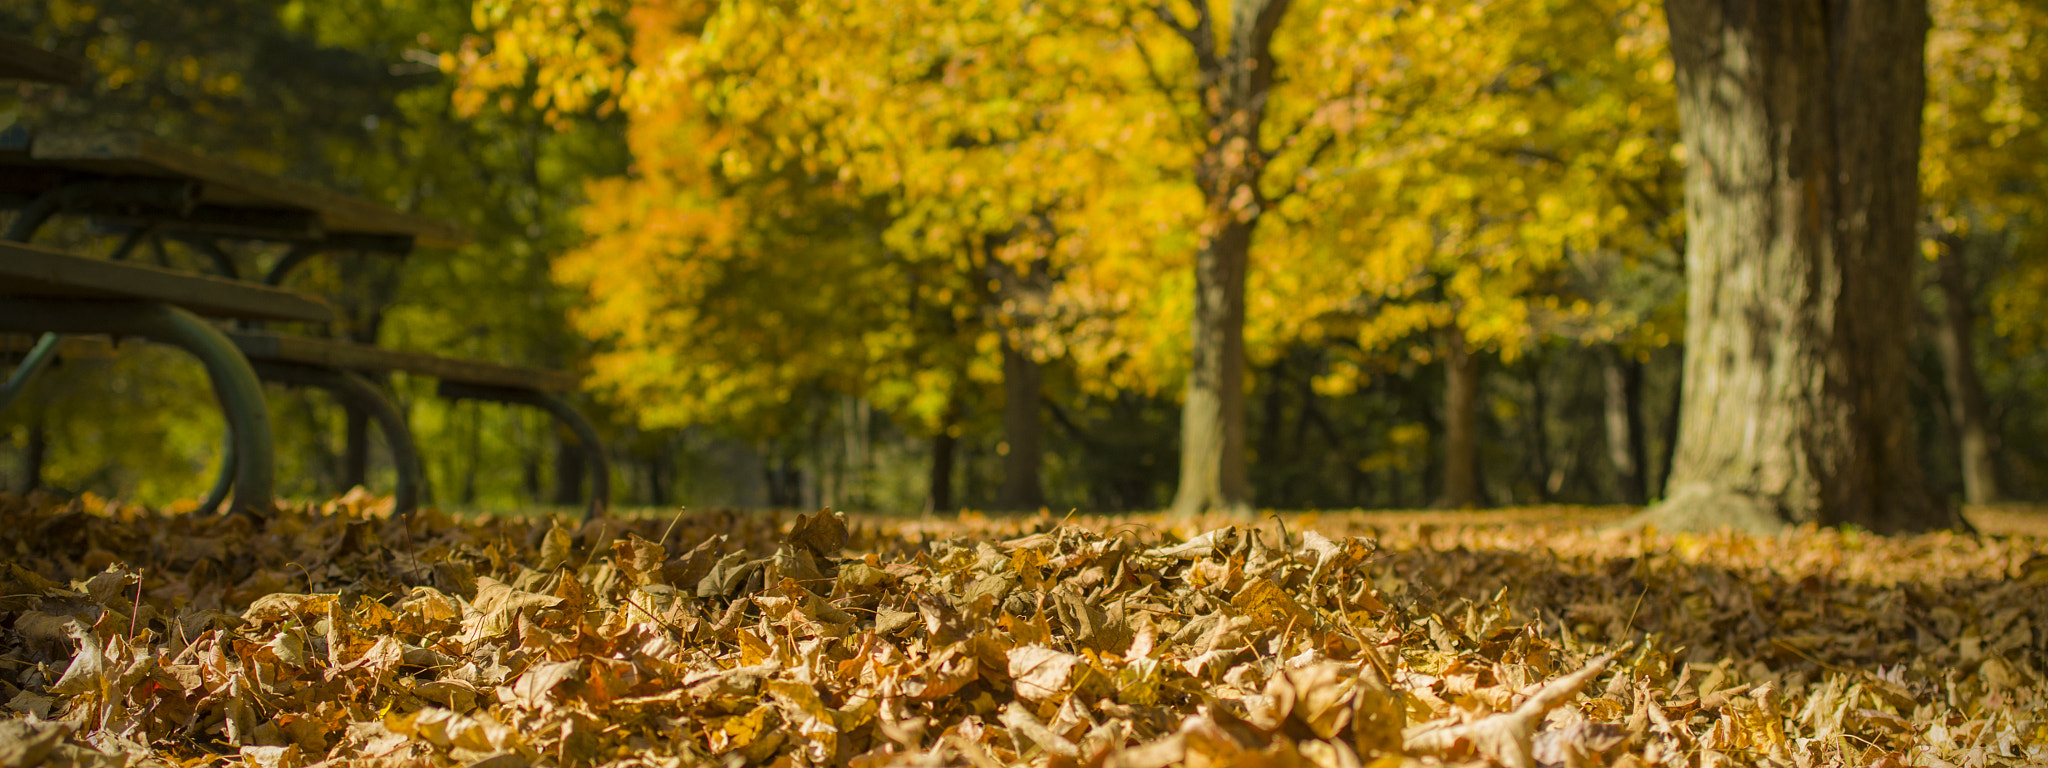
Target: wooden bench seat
[(331, 353)]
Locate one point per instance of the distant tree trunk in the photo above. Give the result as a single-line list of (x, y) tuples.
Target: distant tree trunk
[(1234, 84), (785, 481), (943, 446), (659, 467), (1549, 478), (1623, 376), (1461, 425), (355, 459), (1022, 383), (570, 463), (35, 455), (1673, 405), (529, 478), (1966, 403), (1271, 463), (1801, 120), (942, 471), (475, 452)]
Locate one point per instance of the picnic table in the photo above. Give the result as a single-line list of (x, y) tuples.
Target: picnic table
[(139, 187), (47, 291), (22, 60)]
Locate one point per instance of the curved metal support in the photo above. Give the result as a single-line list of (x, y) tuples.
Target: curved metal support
[(38, 358), (600, 465), (360, 393), (241, 395)]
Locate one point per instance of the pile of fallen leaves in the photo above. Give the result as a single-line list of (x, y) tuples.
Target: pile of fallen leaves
[(340, 635)]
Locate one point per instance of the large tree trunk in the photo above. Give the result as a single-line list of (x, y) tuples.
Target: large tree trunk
[(1022, 381), (1234, 85), (1801, 120), (1461, 425), (1966, 404), (1212, 461), (1623, 376)]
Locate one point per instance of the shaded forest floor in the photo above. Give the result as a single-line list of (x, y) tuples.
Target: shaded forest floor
[(334, 634)]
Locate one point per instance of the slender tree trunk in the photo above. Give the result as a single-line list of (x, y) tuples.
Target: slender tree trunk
[(944, 444), (35, 455), (1022, 384), (1975, 446), (1674, 404), (475, 453), (1623, 376), (659, 467), (570, 463), (1271, 462), (942, 471), (1549, 479), (355, 459), (1234, 84), (1801, 120), (1461, 425)]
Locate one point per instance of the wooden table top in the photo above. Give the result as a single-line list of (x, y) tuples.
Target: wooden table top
[(28, 271), (228, 190)]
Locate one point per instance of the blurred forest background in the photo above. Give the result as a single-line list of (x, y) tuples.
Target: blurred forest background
[(941, 253)]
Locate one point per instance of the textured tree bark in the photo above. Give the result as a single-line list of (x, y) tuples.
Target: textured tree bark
[(1235, 83), (1022, 382), (1801, 121), (1623, 376), (1461, 425), (1966, 404)]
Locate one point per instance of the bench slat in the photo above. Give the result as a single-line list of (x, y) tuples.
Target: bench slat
[(36, 272), (361, 357)]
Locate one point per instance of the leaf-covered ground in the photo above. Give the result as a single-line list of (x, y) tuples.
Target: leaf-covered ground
[(341, 636)]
